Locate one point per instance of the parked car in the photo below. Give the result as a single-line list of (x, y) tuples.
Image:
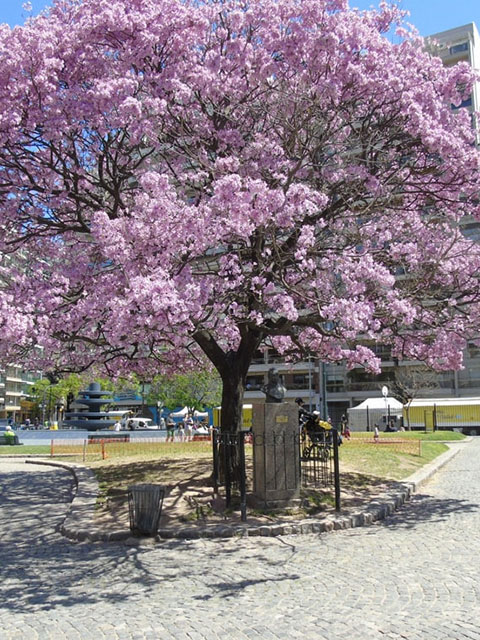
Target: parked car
[(133, 424), (4, 422), (201, 430)]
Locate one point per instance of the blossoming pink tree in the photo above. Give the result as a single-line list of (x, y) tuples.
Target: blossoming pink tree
[(187, 178)]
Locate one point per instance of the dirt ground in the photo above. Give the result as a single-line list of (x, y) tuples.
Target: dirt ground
[(190, 499)]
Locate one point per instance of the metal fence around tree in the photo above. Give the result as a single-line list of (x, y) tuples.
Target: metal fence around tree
[(229, 466), (318, 463)]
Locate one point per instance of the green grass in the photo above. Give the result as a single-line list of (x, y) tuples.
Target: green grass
[(118, 450), (186, 468), (444, 436), (188, 463), (21, 450), (386, 462)]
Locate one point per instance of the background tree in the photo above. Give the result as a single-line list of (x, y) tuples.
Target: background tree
[(50, 393), (410, 382), (188, 178), (197, 390), (41, 397)]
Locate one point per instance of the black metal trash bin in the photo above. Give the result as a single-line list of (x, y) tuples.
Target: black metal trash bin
[(145, 507)]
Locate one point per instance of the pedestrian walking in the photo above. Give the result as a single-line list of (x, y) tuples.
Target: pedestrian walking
[(170, 429), (376, 433), (188, 428), (181, 432), (303, 414)]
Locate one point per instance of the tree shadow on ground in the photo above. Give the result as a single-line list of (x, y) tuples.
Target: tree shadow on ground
[(40, 570), (423, 508), (188, 482), (190, 498), (231, 589)]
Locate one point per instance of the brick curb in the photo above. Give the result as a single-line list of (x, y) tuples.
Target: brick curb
[(78, 524)]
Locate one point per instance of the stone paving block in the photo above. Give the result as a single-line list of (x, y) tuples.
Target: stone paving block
[(391, 580)]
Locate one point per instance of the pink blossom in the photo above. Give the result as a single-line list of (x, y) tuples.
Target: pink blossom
[(177, 182)]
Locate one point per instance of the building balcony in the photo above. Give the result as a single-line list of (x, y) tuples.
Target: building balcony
[(363, 386), (12, 407), (470, 384), (284, 367), (291, 394)]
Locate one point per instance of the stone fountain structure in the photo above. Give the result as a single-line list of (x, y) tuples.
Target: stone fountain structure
[(92, 418)]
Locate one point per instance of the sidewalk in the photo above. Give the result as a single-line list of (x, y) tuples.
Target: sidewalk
[(80, 523)]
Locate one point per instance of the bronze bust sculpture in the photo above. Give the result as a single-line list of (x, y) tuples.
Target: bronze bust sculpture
[(274, 389)]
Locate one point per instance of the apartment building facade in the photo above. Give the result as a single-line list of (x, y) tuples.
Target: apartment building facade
[(15, 391)]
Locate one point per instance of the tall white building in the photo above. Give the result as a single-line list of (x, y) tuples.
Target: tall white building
[(461, 44), (15, 390)]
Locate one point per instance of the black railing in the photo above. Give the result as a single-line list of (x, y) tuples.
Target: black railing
[(319, 461), (229, 466)]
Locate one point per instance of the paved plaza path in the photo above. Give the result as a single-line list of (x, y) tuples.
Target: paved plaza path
[(414, 575)]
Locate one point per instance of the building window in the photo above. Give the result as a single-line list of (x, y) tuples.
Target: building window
[(465, 103), (335, 384), (473, 350), (458, 48), (254, 383), (300, 381), (383, 351), (273, 357), (258, 357)]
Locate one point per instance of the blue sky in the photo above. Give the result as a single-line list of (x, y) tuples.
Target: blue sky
[(429, 16)]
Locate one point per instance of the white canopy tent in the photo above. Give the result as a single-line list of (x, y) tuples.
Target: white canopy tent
[(374, 411)]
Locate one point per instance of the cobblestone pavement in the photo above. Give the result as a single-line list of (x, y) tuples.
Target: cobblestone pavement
[(414, 575)]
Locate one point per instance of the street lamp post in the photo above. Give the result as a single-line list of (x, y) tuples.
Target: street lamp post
[(322, 380), (387, 406), (43, 407), (159, 409), (145, 387), (310, 385)]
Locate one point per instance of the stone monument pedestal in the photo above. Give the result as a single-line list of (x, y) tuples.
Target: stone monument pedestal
[(276, 455)]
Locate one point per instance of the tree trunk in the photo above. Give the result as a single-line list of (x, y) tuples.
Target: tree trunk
[(233, 368), (232, 401), (408, 416)]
